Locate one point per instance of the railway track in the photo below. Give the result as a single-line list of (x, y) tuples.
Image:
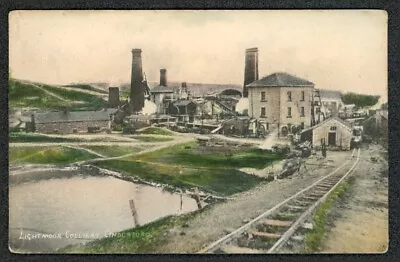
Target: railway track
[(274, 229)]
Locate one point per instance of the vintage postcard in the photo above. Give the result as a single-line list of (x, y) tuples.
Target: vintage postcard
[(209, 131)]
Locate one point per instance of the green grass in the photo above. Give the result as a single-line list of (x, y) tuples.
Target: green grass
[(112, 151), (47, 155), (210, 171), (27, 95), (87, 87), (92, 102), (189, 154), (156, 131), (32, 137), (23, 95), (152, 139), (144, 239), (313, 239)]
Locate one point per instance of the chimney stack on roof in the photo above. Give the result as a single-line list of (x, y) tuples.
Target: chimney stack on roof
[(163, 77), (137, 90), (250, 68)]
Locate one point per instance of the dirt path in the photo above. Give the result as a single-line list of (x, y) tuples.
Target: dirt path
[(361, 222), (223, 218), (46, 91)]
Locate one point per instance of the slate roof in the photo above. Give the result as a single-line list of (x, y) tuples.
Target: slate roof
[(183, 102), (162, 89), (281, 79), (337, 119), (74, 116), (330, 94)]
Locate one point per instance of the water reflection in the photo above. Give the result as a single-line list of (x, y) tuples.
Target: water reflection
[(80, 208)]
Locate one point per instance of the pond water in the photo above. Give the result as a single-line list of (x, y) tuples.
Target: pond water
[(52, 209)]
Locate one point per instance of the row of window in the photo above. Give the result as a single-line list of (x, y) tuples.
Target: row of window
[(289, 96), (289, 126), (289, 112)]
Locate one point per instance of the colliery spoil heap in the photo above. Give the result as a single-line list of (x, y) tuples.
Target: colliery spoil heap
[(137, 90)]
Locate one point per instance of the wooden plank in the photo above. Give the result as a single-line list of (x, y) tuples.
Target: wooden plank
[(274, 222), (265, 235), (241, 250)]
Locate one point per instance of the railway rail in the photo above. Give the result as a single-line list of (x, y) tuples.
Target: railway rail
[(275, 228)]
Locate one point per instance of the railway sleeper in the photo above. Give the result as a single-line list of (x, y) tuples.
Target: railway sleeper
[(233, 249), (286, 216), (277, 223), (316, 194), (301, 203), (254, 243), (265, 235), (309, 198), (296, 208)]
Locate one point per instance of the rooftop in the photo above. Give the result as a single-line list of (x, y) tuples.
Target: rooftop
[(281, 79), (330, 94), (183, 102), (74, 116), (162, 89)]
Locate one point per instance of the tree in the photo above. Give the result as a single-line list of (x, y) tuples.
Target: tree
[(360, 100)]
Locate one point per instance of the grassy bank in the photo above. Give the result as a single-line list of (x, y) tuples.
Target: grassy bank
[(321, 217), (156, 131), (47, 155), (32, 137), (144, 239), (28, 95), (87, 87), (112, 151), (188, 165)]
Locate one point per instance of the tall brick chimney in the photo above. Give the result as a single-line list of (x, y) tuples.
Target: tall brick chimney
[(250, 68), (163, 77), (137, 90)]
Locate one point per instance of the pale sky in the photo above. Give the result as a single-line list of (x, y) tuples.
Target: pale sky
[(339, 50)]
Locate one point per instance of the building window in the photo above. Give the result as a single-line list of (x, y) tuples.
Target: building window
[(262, 111), (302, 96), (289, 96), (302, 111), (289, 112), (263, 96), (302, 125), (333, 128), (267, 126)]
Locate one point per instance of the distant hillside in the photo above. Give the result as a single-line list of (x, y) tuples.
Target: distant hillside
[(87, 87), (197, 89), (22, 93)]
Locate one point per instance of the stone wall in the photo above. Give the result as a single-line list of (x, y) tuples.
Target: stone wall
[(68, 127)]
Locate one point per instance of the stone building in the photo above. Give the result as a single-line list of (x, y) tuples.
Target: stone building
[(334, 131), (331, 102), (162, 95), (65, 122), (281, 101)]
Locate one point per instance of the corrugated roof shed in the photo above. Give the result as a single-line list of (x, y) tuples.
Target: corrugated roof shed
[(281, 79), (74, 116)]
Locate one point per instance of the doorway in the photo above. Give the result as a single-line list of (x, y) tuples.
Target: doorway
[(332, 138)]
